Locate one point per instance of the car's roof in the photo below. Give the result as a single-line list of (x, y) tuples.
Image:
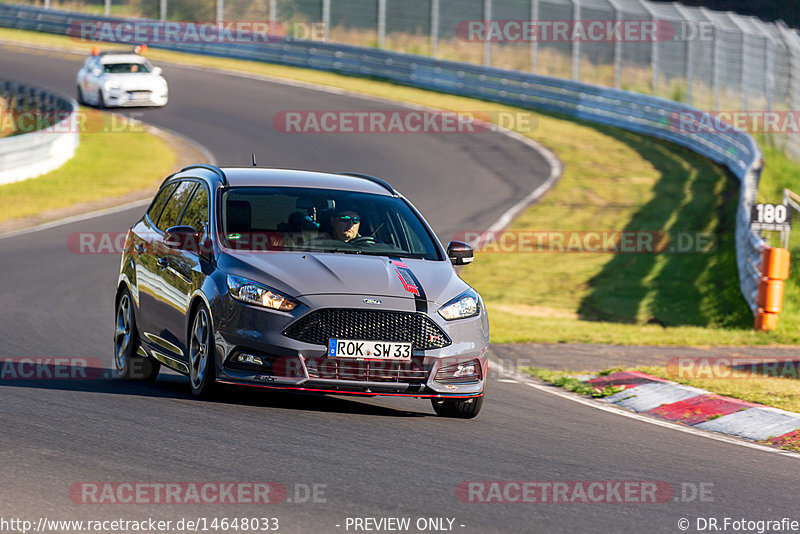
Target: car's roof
[(253, 176), (121, 58)]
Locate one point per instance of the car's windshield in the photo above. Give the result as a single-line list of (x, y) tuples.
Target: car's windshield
[(125, 68), (305, 219)]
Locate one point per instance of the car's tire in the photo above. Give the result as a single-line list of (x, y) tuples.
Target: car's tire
[(101, 102), (127, 362), (81, 100), (460, 408), (202, 367)]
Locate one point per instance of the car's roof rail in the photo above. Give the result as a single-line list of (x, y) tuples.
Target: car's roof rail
[(219, 172), (382, 183)]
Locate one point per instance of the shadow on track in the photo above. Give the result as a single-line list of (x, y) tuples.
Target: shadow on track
[(172, 386)]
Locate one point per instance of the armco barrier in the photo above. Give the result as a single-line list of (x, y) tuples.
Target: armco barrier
[(30, 154), (631, 111)]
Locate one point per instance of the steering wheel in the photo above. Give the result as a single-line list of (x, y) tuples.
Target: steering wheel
[(365, 239)]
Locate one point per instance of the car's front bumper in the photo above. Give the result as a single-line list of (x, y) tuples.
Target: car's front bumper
[(297, 365), (137, 98)]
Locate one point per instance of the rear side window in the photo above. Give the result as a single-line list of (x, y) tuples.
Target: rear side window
[(161, 200), (196, 214), (174, 208)]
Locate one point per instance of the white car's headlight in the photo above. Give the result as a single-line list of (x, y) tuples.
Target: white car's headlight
[(258, 294), (467, 304), (110, 85)]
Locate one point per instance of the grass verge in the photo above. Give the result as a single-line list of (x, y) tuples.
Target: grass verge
[(613, 180), (106, 164), (568, 381)]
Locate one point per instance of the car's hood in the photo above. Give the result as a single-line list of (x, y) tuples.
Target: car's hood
[(147, 81), (299, 274)]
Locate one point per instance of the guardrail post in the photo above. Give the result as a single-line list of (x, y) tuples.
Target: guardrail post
[(435, 28), (220, 12), (326, 20), (534, 40), (47, 4), (381, 23), (617, 47), (769, 72), (487, 43), (273, 13), (576, 44), (715, 66), (653, 46), (108, 8), (162, 9)]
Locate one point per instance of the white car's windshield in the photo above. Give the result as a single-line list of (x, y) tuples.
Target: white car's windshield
[(125, 68), (281, 218)]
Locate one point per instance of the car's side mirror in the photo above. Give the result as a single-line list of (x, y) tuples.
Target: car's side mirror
[(157, 71), (183, 238), (460, 253)]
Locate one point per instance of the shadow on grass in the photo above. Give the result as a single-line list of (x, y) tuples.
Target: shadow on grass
[(694, 198)]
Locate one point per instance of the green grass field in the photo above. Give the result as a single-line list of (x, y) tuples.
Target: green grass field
[(613, 181), (106, 164)]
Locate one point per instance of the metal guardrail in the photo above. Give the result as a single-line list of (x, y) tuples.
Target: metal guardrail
[(34, 153), (636, 112)]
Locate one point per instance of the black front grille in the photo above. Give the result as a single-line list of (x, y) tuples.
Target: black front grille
[(319, 326)]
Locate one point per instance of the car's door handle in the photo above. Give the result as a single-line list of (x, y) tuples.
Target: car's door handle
[(139, 248), (163, 263)]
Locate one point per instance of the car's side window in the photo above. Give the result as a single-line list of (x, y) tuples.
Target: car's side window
[(174, 208), (161, 200), (196, 214)]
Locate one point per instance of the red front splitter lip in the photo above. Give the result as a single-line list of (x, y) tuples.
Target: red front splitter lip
[(340, 392)]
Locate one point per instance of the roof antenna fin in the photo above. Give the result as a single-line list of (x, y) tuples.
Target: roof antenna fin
[(254, 159)]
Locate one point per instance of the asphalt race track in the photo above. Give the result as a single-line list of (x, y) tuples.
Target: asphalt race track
[(368, 458)]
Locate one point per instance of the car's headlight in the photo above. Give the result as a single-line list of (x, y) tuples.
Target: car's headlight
[(258, 294), (467, 304), (110, 85)]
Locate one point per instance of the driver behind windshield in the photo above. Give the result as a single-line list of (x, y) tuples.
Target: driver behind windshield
[(345, 224)]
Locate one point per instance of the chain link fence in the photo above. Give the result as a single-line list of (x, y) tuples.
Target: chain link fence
[(712, 60)]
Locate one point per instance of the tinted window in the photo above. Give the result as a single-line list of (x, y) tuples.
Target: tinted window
[(284, 218), (196, 214), (125, 68), (161, 200), (174, 208)]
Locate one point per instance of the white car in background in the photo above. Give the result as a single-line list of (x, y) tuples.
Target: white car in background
[(117, 79)]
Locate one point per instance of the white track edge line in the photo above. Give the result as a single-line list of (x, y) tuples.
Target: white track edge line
[(155, 130)]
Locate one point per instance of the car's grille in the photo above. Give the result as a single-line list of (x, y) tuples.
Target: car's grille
[(319, 326), (139, 94), (367, 371)]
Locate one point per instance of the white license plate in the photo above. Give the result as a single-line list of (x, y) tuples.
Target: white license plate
[(369, 350)]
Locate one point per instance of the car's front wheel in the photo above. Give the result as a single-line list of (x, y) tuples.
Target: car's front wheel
[(458, 408), (202, 369), (128, 363), (101, 101), (81, 100)]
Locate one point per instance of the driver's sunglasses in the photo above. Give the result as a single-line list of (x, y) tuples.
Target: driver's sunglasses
[(355, 219)]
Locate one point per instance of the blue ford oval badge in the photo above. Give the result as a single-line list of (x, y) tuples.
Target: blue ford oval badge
[(371, 301)]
